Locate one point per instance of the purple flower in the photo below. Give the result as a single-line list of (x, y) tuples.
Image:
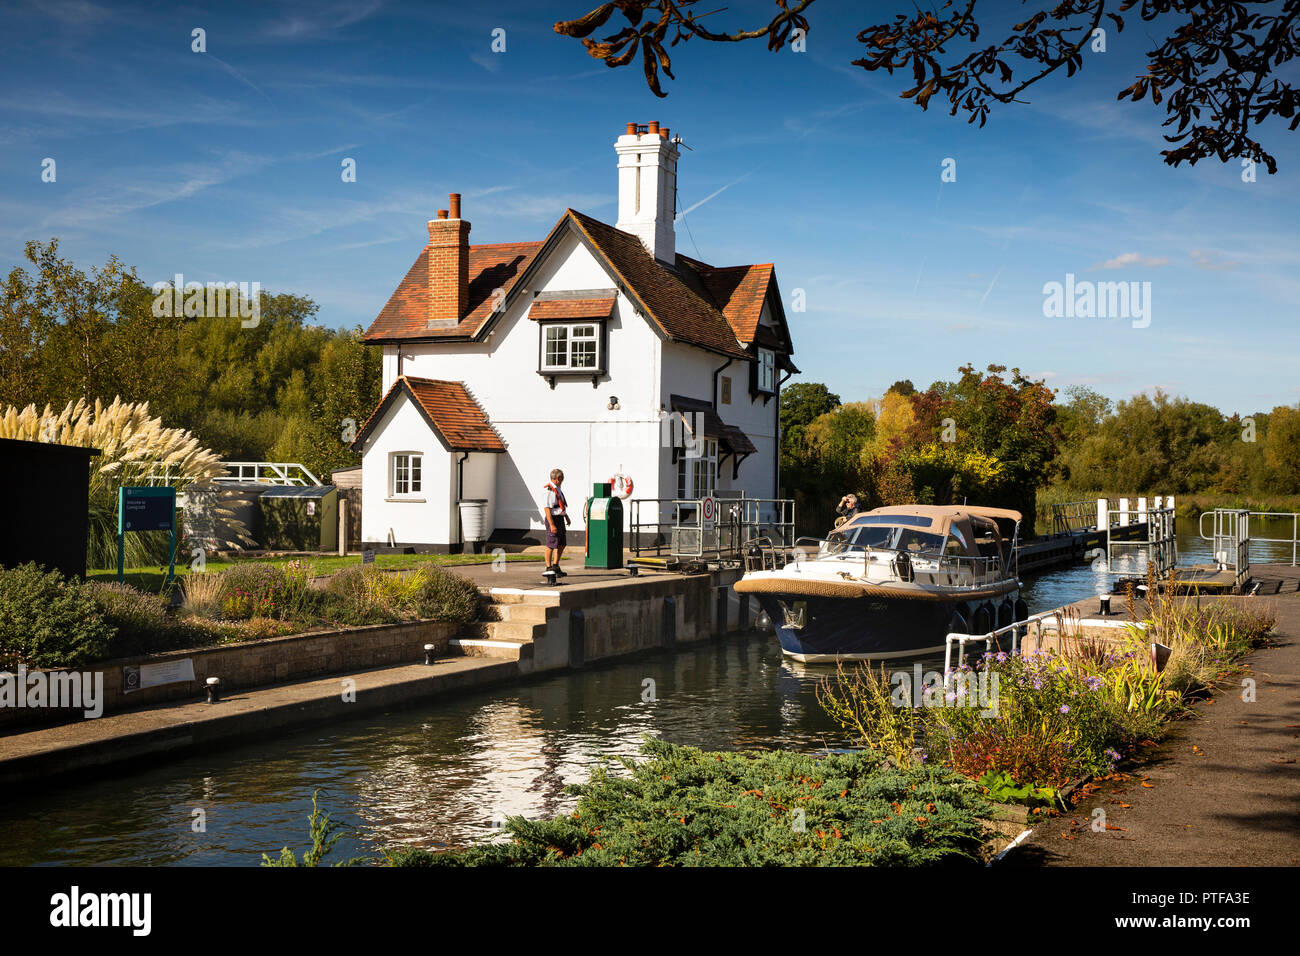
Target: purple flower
[(1065, 708), (1112, 754)]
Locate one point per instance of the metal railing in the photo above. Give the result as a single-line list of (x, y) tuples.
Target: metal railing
[(1159, 547), (1017, 630), (944, 570), (268, 473), (1226, 532), (1231, 542), (1070, 516), (677, 526)]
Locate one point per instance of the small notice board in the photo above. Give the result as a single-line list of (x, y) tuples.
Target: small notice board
[(146, 508)]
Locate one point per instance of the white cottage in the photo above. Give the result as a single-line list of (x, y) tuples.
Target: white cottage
[(503, 361)]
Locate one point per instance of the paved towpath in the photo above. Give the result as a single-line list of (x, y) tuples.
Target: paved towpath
[(1223, 789)]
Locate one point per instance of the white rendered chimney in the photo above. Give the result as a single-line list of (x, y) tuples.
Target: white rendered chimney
[(647, 188)]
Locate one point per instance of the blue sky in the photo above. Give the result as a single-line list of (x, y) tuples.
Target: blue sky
[(225, 165)]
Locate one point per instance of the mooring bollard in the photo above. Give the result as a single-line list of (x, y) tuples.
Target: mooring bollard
[(633, 570), (1105, 604), (428, 653), (214, 689)]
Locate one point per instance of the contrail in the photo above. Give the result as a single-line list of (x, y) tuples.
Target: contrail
[(711, 195), (239, 76)]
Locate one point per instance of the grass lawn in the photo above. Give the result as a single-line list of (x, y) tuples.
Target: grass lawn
[(151, 579)]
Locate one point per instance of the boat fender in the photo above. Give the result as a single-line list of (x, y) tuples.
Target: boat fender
[(626, 481), (1022, 610), (958, 624), (903, 567), (982, 619), (1006, 612)]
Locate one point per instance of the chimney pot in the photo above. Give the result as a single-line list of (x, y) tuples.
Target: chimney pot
[(454, 200), (442, 214), (664, 133), (631, 129), (654, 127)]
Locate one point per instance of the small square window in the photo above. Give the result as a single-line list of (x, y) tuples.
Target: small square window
[(570, 347), (408, 472)]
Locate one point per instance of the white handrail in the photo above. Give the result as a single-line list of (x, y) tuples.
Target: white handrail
[(961, 640)]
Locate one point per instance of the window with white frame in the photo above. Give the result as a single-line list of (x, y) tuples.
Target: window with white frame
[(571, 347), (408, 474), (698, 477), (766, 370)]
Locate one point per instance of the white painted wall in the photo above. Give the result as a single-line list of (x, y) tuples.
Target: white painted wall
[(570, 426), (424, 519)]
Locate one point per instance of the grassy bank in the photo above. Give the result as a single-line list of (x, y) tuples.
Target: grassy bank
[(47, 621), (152, 579)]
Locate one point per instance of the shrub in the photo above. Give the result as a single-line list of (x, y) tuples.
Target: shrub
[(142, 622), (686, 807), (441, 595), (46, 621), (201, 594), (253, 590)]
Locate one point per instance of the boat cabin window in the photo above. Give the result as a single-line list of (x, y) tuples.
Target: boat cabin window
[(889, 537), (987, 541)]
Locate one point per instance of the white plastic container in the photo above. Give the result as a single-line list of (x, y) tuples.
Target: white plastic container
[(473, 519)]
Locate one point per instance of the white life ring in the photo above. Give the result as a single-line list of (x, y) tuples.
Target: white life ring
[(626, 481)]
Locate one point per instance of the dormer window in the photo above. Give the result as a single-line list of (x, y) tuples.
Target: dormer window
[(571, 347)]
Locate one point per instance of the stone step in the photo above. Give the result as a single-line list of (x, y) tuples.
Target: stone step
[(503, 650), (512, 596), (526, 613), (513, 630)]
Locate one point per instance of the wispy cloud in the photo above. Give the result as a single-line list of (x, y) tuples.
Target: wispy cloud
[(1126, 259), (314, 21), (1203, 260)]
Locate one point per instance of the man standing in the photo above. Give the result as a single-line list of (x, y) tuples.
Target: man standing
[(847, 509), (557, 520)]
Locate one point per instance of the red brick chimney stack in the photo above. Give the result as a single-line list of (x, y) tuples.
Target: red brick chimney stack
[(448, 266)]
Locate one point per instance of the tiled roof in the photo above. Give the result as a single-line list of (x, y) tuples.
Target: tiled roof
[(570, 308), (449, 409), (495, 266), (739, 292), (732, 438), (680, 311), (691, 302)]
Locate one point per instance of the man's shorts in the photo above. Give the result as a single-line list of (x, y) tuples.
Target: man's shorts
[(557, 538)]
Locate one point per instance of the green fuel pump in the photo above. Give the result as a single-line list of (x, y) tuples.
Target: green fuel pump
[(603, 514)]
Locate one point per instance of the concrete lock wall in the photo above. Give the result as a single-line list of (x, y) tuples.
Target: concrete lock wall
[(608, 623), (254, 664)]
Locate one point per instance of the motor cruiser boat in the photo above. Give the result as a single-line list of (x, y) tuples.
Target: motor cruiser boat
[(890, 583)]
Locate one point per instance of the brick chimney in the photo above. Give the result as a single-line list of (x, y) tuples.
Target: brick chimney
[(448, 266), (647, 187)]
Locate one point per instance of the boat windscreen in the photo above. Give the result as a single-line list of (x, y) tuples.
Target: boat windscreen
[(893, 538)]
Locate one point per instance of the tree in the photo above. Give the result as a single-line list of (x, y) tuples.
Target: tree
[(1215, 70), (800, 404)]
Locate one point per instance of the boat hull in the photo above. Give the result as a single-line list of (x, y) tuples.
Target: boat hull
[(865, 628)]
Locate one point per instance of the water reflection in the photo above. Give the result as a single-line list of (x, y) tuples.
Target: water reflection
[(436, 776)]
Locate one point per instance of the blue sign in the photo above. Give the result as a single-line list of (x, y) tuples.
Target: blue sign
[(145, 509)]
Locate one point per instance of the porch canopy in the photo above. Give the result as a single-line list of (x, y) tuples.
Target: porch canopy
[(731, 440)]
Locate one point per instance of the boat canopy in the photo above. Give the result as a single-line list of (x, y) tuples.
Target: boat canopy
[(967, 531)]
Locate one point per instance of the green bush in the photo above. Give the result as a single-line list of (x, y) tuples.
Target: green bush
[(46, 621), (686, 807), (142, 622), (253, 590), (441, 595)]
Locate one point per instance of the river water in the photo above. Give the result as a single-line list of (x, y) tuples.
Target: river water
[(442, 774)]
